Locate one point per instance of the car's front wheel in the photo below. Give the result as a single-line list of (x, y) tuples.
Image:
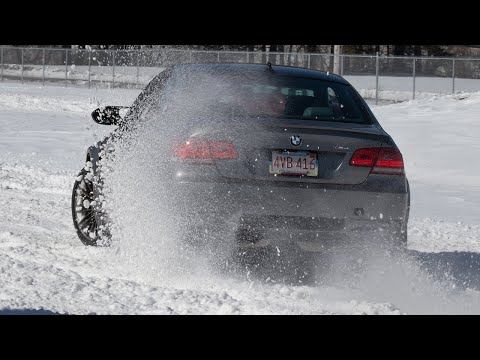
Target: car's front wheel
[(83, 209)]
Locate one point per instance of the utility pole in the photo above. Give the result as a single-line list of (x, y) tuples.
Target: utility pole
[(337, 50)]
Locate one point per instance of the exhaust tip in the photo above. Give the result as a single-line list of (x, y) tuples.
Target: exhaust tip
[(359, 212)]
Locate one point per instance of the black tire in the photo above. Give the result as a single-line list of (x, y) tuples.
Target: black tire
[(85, 220)]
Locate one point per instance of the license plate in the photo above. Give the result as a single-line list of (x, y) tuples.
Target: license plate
[(301, 163)]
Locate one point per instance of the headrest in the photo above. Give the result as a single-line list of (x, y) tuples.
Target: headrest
[(321, 112)]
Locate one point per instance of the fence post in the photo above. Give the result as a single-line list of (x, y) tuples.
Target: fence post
[(89, 67), (190, 56), (342, 57), (138, 65), (1, 63), (453, 76), (218, 56), (376, 81), (308, 61), (66, 67), (248, 57), (22, 65), (113, 68), (43, 68), (414, 76)]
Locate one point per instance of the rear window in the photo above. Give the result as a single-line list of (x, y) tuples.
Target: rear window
[(265, 95), (305, 99)]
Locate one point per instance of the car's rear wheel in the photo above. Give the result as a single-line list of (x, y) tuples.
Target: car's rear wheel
[(83, 209)]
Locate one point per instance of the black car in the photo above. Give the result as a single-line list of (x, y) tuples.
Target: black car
[(263, 152)]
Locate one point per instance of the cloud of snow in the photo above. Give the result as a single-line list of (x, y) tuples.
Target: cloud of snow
[(146, 201), (416, 283)]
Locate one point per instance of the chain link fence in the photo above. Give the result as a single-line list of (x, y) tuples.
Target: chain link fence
[(376, 77)]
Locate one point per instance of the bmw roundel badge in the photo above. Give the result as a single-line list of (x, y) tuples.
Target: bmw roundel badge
[(296, 140)]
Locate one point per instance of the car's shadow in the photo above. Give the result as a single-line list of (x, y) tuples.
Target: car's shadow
[(27, 312), (459, 268), (462, 267)]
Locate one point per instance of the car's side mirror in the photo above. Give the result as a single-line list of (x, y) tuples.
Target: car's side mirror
[(108, 115)]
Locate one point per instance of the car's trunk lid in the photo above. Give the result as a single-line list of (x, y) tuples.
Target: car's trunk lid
[(332, 142)]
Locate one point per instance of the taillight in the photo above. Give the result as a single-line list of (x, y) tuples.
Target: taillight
[(192, 149), (364, 157), (201, 149), (381, 160), (390, 161)]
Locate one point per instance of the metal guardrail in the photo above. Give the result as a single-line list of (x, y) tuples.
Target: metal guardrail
[(135, 68)]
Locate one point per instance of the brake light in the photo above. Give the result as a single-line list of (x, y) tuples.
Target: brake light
[(390, 161), (382, 160), (223, 150), (205, 150), (364, 157)]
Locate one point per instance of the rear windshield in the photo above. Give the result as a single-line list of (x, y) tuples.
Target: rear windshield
[(264, 95), (300, 98)]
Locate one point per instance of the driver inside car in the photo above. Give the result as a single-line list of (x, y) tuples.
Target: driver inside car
[(272, 104)]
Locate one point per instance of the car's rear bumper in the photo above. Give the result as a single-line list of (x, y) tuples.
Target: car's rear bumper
[(277, 212)]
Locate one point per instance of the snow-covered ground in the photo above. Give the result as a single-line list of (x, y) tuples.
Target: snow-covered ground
[(45, 269)]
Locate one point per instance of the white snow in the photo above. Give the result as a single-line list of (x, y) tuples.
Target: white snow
[(44, 268)]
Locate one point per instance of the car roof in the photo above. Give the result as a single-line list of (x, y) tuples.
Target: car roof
[(277, 69)]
